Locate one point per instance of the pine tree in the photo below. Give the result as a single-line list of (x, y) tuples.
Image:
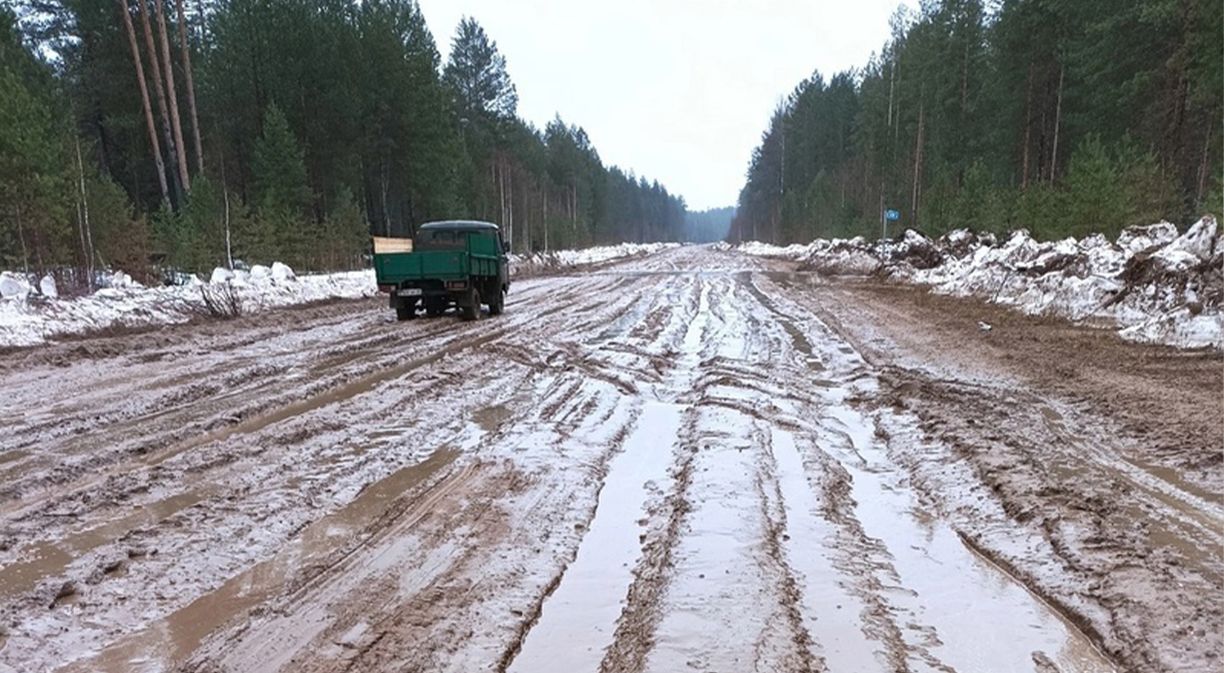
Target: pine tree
[(32, 182), (477, 74), (1095, 199), (282, 195), (279, 167)]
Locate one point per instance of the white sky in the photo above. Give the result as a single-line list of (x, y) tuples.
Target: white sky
[(676, 90)]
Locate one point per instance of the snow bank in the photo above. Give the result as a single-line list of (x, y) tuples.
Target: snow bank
[(556, 260), (1153, 284), (30, 316), (124, 303), (13, 286)]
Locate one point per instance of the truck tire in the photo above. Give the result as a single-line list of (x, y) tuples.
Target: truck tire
[(497, 303), (405, 310), (471, 310)]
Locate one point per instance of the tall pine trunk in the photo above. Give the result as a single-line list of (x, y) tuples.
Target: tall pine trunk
[(917, 164), (1028, 129), (87, 248), (25, 252), (892, 80), (185, 45), (1203, 164), (172, 96), (510, 207), (167, 134), (1062, 71), (150, 125)]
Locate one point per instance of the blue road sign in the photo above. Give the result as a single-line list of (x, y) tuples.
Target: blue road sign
[(892, 215)]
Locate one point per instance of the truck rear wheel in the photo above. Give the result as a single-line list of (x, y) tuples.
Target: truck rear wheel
[(405, 310), (471, 310), (497, 303)]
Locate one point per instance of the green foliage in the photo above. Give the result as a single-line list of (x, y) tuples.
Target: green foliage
[(1151, 194), (36, 229), (320, 122), (179, 242), (980, 203), (1040, 210), (121, 240), (477, 74), (1059, 116), (1095, 200), (279, 168), (346, 235)]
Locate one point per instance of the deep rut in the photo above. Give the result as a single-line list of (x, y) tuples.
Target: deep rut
[(669, 464)]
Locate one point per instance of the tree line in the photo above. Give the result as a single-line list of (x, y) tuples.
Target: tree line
[(1064, 117), (707, 226), (147, 134)]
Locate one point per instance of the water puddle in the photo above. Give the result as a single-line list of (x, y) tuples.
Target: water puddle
[(10, 456), (490, 418), (708, 623), (976, 617), (43, 560), (390, 431), (1195, 511), (171, 639), (35, 562), (831, 615), (578, 620), (1174, 477)]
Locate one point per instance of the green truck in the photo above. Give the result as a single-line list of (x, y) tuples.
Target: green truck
[(457, 263)]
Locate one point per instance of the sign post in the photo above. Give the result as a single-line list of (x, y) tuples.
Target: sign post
[(890, 215)]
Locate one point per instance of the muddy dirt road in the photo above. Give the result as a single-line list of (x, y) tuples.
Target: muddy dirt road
[(693, 461)]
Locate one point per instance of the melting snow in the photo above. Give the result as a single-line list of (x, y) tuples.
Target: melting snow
[(1153, 284), (30, 316)]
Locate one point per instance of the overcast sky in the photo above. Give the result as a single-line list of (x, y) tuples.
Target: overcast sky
[(676, 90)]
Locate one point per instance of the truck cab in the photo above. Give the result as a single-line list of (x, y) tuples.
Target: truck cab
[(459, 263)]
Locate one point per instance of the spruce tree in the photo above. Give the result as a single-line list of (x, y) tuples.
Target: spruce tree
[(477, 74), (281, 192)]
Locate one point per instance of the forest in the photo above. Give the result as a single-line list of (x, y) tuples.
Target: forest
[(706, 226), (170, 137), (1064, 117)]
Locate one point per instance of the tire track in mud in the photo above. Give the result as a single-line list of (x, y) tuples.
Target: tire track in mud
[(299, 565), (309, 406), (861, 561), (331, 358), (684, 520), (257, 508), (257, 413), (866, 465), (567, 409), (171, 374), (567, 413), (590, 580), (777, 527), (1048, 491), (548, 418)]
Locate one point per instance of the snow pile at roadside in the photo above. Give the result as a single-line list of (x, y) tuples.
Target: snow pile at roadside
[(32, 312), (1151, 283), (560, 260), (28, 318)]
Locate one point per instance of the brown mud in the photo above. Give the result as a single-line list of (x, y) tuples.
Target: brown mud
[(694, 460)]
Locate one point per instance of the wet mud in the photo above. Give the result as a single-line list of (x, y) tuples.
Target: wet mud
[(694, 460)]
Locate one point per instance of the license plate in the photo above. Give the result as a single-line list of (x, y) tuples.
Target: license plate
[(410, 292)]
